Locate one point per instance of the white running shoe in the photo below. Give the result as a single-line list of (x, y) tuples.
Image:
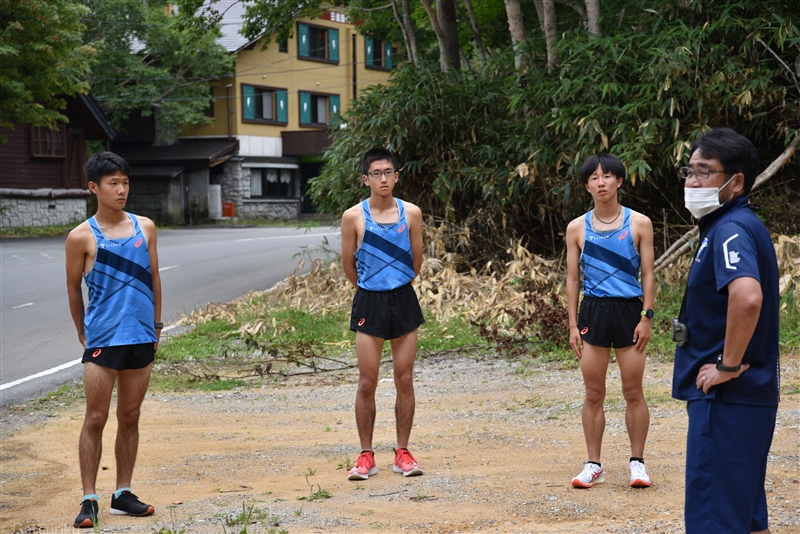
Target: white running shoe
[(639, 478), (592, 474)]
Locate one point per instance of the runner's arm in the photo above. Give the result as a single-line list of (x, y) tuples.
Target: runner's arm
[(573, 283), (149, 229), (76, 256), (349, 242), (414, 216), (644, 230)]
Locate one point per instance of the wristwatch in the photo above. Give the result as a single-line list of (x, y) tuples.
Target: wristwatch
[(648, 313), (727, 368), (159, 325)]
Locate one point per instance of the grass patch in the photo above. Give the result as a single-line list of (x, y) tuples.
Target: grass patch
[(38, 231)]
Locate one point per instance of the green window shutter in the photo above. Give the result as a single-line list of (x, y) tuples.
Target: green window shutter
[(387, 54), (333, 45), (302, 39), (368, 58), (305, 108), (283, 103), (249, 102), (333, 108)]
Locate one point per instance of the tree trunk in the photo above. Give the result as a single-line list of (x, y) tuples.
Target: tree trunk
[(517, 30), (406, 38), (550, 33), (593, 17), (477, 34), (443, 57), (412, 32), (446, 12)]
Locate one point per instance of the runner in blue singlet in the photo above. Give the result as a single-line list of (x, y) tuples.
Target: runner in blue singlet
[(381, 255), (115, 253), (609, 244)]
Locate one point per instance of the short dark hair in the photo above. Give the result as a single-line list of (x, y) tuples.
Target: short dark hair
[(103, 164), (610, 164), (733, 150), (376, 154)]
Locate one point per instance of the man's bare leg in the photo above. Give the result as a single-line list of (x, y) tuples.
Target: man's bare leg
[(131, 388), (637, 416), (404, 352), (98, 383), (594, 366), (368, 353)]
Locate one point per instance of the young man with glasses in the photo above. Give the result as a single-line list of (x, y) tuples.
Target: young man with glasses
[(114, 252), (381, 255), (728, 368), (608, 245)]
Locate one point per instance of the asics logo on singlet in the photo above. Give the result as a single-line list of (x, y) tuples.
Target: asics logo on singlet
[(623, 235), (138, 243), (401, 229)]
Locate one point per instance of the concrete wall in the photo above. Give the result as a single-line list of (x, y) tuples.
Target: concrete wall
[(16, 212), (158, 198), (196, 195)]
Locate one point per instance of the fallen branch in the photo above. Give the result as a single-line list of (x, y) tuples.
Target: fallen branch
[(676, 249)]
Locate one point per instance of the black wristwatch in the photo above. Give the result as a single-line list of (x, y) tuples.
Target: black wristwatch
[(648, 313), (726, 368), (159, 325)]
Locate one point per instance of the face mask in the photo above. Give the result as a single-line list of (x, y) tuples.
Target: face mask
[(700, 201)]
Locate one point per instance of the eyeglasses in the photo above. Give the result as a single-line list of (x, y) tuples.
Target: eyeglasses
[(701, 173), (389, 173)]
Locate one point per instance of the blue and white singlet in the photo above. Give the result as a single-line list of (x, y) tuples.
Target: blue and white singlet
[(384, 260), (609, 261), (121, 307)]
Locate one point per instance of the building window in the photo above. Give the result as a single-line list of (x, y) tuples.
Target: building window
[(47, 143), (283, 46), (209, 111), (264, 104), (317, 43), (379, 54), (317, 109), (271, 183)]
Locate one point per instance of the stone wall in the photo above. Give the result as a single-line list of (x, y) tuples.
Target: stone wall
[(16, 212), (235, 186), (285, 210)]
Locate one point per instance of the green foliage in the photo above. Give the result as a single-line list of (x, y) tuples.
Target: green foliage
[(43, 60), (173, 58), (500, 153), (275, 20)]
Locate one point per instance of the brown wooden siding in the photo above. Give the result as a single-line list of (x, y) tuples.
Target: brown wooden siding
[(18, 169)]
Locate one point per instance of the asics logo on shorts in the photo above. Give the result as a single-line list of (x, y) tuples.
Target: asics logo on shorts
[(96, 353), (138, 243), (362, 321)]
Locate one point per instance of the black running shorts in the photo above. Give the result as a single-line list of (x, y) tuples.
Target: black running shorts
[(386, 314), (122, 357), (609, 322)]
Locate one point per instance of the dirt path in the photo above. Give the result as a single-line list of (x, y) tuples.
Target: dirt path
[(500, 443)]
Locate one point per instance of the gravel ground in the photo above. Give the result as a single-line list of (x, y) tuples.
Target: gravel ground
[(500, 442)]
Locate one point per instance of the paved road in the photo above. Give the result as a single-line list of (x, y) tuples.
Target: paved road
[(198, 266)]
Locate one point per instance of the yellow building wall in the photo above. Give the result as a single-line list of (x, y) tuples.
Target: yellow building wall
[(285, 70)]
